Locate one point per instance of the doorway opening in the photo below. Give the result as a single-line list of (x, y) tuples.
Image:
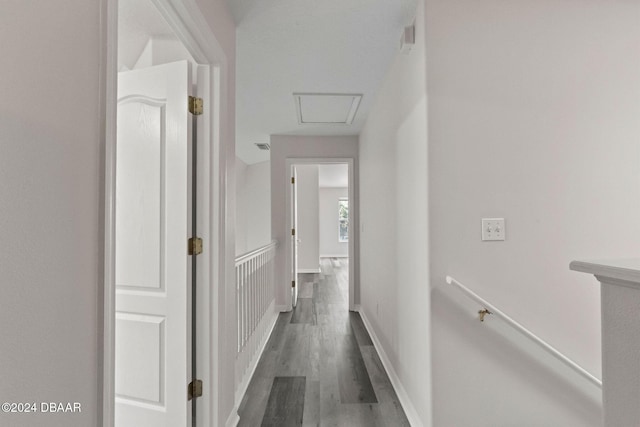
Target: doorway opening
[(322, 216), (162, 187)]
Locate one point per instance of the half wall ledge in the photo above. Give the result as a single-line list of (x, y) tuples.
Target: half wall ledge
[(620, 301)]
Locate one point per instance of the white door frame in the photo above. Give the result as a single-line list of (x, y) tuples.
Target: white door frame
[(191, 28), (353, 219)]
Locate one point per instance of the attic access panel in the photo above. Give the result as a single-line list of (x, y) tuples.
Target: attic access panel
[(326, 108)]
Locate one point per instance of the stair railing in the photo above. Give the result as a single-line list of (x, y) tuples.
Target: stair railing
[(255, 308), (490, 309)]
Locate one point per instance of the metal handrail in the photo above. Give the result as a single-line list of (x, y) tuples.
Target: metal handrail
[(254, 253), (491, 309)]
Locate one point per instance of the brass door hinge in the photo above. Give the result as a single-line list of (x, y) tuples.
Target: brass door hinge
[(293, 283), (195, 389), (293, 231), (293, 180), (196, 105), (195, 246)]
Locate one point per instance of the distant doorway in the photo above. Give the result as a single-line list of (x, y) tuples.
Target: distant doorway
[(321, 227)]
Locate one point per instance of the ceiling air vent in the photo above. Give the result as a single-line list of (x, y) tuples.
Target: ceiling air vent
[(326, 108), (263, 146)]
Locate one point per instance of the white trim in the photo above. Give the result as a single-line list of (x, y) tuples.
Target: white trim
[(335, 256), (252, 254), (192, 29), (283, 308), (309, 270), (233, 419), (353, 220), (106, 347), (405, 401)]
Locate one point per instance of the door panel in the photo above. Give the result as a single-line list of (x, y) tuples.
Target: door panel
[(140, 226), (140, 342), (153, 314)]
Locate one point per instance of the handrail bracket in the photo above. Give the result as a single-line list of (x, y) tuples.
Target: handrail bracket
[(483, 313)]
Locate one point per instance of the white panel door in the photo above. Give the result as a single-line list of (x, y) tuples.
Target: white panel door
[(294, 237), (153, 320)]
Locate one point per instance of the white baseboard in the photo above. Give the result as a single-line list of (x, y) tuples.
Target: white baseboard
[(284, 308), (309, 270), (233, 419), (335, 256), (407, 405)]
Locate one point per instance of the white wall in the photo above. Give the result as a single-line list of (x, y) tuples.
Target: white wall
[(394, 235), (242, 207), (258, 192), (253, 213), (308, 219), (533, 116), (329, 223), (301, 147), (162, 51), (50, 216)]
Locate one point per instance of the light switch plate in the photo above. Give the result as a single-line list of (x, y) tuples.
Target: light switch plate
[(493, 229)]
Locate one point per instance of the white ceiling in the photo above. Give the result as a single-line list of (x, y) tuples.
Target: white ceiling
[(333, 176), (326, 46)]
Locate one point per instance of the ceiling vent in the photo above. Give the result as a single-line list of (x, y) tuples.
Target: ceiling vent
[(263, 146), (326, 108)]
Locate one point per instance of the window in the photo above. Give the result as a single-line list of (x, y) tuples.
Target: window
[(343, 220)]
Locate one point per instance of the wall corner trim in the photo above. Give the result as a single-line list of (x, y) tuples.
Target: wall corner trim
[(405, 401)]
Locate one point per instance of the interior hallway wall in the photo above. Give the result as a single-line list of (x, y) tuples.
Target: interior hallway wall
[(50, 215), (258, 191), (329, 223), (162, 51), (253, 213), (308, 228), (394, 221), (242, 207), (533, 116)]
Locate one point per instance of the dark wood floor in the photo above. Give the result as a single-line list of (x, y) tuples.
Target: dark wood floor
[(319, 367)]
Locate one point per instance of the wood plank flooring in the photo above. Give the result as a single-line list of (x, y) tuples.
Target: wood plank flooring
[(319, 367)]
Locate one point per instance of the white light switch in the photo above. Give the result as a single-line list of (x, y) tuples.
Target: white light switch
[(493, 229)]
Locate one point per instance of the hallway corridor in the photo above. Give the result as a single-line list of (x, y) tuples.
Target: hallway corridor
[(320, 367)]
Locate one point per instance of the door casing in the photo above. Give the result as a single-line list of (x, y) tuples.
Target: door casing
[(353, 219), (295, 238)]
